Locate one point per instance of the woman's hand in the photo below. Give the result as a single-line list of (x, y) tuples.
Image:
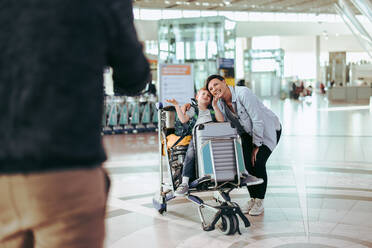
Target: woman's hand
[(254, 155), (172, 101), (218, 113), (214, 101)]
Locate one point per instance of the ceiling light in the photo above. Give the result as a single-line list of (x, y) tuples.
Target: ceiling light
[(205, 4), (197, 3), (166, 2)]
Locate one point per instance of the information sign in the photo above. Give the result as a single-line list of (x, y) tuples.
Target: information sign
[(176, 81)]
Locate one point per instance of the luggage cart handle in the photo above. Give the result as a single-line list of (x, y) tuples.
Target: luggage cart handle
[(160, 106)]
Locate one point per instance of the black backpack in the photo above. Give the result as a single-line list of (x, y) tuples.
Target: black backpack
[(184, 129)]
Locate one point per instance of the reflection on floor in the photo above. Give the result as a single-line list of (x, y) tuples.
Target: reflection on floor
[(319, 193)]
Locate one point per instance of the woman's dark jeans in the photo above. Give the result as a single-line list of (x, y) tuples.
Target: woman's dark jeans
[(259, 168)]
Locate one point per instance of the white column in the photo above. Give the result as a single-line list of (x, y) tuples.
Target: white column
[(317, 58), (242, 44), (239, 58)]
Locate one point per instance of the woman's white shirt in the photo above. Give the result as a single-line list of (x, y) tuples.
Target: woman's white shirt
[(256, 119)]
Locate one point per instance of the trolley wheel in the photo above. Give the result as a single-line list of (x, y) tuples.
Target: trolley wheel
[(236, 223), (159, 203), (227, 225)]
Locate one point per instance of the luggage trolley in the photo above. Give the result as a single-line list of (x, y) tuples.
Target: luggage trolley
[(220, 168)]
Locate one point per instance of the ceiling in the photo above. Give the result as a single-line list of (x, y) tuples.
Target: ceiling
[(287, 6)]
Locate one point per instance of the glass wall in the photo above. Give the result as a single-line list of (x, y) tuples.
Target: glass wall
[(264, 70), (198, 41)]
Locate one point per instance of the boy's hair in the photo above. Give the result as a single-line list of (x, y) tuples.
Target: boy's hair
[(201, 90)]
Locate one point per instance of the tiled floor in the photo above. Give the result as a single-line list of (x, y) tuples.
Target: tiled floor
[(319, 192)]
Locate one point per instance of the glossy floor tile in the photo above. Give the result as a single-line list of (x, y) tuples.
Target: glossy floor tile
[(319, 191)]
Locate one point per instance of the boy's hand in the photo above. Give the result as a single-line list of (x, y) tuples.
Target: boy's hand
[(185, 107), (172, 101)]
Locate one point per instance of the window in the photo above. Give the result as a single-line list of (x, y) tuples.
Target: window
[(241, 16), (227, 14), (191, 13), (151, 47), (266, 42), (356, 57), (208, 13), (180, 51), (157, 14), (300, 64), (170, 13), (150, 14), (136, 13)]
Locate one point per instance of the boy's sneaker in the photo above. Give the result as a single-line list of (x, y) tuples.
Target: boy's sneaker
[(182, 189), (257, 208), (247, 206), (250, 180)]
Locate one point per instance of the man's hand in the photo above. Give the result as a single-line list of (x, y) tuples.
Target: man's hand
[(254, 155), (172, 101)]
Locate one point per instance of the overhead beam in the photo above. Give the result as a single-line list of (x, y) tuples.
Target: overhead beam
[(318, 8), (295, 4), (286, 6), (171, 6), (272, 2), (258, 5)]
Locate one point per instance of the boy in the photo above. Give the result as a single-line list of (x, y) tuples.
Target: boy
[(203, 98)]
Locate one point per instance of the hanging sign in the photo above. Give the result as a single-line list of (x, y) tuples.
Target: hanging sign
[(176, 81)]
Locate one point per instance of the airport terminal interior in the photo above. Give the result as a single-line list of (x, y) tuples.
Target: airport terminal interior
[(310, 62)]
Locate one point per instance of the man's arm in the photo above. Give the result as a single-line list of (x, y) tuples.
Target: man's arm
[(130, 67)]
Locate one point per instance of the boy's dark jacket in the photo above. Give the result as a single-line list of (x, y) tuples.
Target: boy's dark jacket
[(184, 129)]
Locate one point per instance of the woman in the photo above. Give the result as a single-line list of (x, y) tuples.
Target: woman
[(259, 128)]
